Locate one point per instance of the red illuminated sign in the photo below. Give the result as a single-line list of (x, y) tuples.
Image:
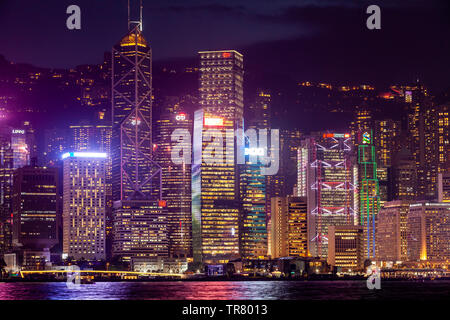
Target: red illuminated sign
[(162, 203), (226, 54)]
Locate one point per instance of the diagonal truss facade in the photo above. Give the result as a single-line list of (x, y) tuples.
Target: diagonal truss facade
[(134, 173)]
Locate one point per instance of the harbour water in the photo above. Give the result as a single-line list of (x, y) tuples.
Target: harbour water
[(226, 290)]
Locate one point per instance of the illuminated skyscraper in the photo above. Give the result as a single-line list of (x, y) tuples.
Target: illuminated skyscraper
[(215, 190), (136, 177), (254, 232), (386, 139), (428, 236), (369, 190), (289, 230), (215, 187), (391, 231), (97, 138), (133, 169), (282, 183), (327, 176), (84, 191), (253, 223), (176, 181), (422, 134)]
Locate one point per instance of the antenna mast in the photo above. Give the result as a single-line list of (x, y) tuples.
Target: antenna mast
[(140, 11), (128, 14), (139, 23)]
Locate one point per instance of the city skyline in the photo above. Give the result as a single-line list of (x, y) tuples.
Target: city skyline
[(221, 168)]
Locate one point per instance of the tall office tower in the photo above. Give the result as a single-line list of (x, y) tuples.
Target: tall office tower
[(133, 169), (6, 177), (253, 220), (84, 191), (391, 231), (369, 190), (176, 181), (35, 207), (386, 139), (140, 230), (135, 175), (327, 176), (215, 190), (346, 247), (282, 183), (444, 187), (428, 236), (97, 138), (422, 132), (215, 187), (403, 176), (289, 227)]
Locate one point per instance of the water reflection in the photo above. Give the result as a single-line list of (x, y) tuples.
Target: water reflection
[(224, 290)]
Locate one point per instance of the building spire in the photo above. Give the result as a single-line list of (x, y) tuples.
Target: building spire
[(136, 22)]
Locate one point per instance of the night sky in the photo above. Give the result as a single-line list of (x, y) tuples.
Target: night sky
[(308, 40)]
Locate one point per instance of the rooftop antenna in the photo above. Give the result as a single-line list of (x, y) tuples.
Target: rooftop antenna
[(140, 18), (128, 14), (139, 23)]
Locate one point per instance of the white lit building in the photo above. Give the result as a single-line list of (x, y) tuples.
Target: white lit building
[(84, 205)]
